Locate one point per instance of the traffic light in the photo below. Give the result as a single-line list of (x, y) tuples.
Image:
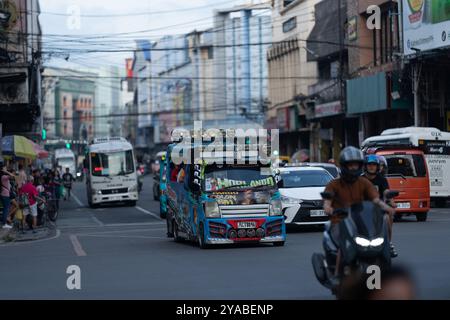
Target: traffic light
[(44, 134), (67, 145)]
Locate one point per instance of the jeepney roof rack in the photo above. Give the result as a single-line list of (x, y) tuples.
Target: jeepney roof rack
[(107, 139)]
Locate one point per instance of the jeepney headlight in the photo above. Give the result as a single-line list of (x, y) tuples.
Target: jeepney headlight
[(212, 209), (276, 208), (133, 188)]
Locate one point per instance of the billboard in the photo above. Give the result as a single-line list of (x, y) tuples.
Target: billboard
[(426, 25)]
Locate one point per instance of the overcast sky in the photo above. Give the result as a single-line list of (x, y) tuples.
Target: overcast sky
[(56, 20)]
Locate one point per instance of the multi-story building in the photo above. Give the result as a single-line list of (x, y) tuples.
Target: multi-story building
[(326, 98), (142, 72), (20, 67), (172, 85), (108, 100), (242, 36), (379, 91), (69, 104), (290, 73)]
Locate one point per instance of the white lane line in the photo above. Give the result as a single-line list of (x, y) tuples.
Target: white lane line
[(100, 224), (78, 200), (115, 236), (77, 246), (148, 212), (112, 225), (120, 231)]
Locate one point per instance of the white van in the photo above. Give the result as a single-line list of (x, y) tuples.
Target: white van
[(65, 158), (111, 172), (434, 143)]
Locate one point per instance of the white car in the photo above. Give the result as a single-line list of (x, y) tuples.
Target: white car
[(300, 194)]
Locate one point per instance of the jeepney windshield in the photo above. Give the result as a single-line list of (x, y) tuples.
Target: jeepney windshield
[(229, 177)]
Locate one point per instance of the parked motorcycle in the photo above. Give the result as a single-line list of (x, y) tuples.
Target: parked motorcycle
[(363, 242)]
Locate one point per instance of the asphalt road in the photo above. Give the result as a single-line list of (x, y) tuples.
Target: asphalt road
[(123, 253)]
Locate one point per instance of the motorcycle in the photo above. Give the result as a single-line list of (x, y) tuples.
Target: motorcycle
[(140, 179), (362, 239)]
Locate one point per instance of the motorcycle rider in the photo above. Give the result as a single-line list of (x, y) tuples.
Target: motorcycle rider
[(372, 173), (349, 189)]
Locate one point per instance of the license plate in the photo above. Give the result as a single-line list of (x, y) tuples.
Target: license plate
[(317, 213), (403, 205), (247, 225)]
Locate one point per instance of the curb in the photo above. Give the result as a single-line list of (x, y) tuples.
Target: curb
[(11, 236)]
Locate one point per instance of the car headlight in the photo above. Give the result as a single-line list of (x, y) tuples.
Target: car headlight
[(212, 209), (289, 200), (367, 243), (96, 191), (133, 188), (276, 208)]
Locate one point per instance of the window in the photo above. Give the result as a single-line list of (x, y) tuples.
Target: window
[(406, 165), (305, 179), (64, 101), (287, 2), (210, 53), (290, 24), (65, 114), (112, 164)]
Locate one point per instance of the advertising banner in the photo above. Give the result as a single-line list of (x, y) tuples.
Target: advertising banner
[(426, 25)]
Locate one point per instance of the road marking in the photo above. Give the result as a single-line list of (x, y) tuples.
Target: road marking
[(100, 224), (148, 212), (78, 200), (77, 246), (115, 236), (112, 225), (120, 231)]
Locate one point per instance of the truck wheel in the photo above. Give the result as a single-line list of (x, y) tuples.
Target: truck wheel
[(176, 236), (422, 217), (201, 238)]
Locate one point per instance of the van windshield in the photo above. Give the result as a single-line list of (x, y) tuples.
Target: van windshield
[(406, 165), (236, 177), (112, 164)]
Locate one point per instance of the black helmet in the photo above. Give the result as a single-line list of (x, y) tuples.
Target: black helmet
[(351, 154)]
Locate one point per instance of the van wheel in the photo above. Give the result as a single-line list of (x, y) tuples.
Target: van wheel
[(201, 238), (422, 217)]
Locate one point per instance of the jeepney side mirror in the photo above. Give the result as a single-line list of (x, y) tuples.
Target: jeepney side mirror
[(195, 181), (278, 179)]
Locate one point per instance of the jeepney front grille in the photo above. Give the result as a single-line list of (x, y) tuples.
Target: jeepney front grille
[(253, 210)]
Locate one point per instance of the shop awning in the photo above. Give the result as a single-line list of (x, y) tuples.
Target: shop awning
[(18, 147)]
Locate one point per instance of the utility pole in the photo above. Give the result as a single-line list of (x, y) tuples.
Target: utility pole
[(417, 70)]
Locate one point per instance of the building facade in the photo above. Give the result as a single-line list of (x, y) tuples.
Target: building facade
[(242, 36), (290, 73), (20, 68)]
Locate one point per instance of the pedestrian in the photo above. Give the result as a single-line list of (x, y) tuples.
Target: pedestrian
[(67, 181), (5, 194), (55, 182), (31, 194), (21, 177)]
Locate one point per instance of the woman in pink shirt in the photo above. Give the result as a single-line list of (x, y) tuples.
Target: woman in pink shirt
[(5, 194)]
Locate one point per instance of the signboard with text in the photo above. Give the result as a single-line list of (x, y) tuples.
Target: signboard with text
[(426, 25)]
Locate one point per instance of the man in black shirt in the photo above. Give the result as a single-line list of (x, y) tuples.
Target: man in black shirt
[(67, 181), (372, 173)]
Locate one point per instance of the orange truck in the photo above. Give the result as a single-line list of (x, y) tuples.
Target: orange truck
[(407, 172)]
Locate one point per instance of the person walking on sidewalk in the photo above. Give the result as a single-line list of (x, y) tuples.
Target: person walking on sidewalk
[(67, 182), (30, 191), (5, 194)]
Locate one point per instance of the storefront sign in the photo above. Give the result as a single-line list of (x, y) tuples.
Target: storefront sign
[(328, 109)]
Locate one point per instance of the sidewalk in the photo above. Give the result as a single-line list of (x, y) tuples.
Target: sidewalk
[(10, 235)]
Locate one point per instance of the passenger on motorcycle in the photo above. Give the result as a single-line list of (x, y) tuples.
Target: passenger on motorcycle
[(349, 189), (372, 172)]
